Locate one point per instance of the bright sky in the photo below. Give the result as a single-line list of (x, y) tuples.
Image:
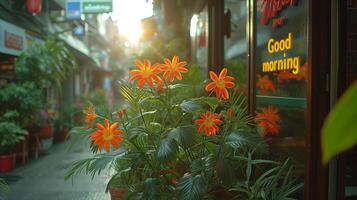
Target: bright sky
[(128, 14)]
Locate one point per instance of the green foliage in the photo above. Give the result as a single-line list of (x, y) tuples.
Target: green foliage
[(4, 188), (163, 156), (339, 132), (277, 182), (10, 134), (65, 118), (45, 63), (24, 99)]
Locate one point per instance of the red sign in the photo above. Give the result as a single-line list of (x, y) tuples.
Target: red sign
[(14, 41), (271, 8)]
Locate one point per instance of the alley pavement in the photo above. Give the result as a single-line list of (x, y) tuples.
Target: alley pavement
[(43, 179)]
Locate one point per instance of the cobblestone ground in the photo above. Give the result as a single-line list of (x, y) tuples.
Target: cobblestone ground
[(42, 179)]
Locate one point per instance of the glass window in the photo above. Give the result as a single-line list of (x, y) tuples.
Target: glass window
[(235, 44), (281, 73), (199, 39)]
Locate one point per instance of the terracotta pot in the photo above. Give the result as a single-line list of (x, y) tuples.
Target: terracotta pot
[(117, 193), (7, 162), (46, 131)]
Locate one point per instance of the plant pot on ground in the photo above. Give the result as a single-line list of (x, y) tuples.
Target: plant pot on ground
[(64, 123), (46, 131), (10, 134), (117, 193)]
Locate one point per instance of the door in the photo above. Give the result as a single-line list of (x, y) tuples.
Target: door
[(347, 74)]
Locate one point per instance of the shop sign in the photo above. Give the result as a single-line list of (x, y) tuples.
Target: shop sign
[(73, 9), (286, 63), (97, 6), (12, 39), (270, 11)]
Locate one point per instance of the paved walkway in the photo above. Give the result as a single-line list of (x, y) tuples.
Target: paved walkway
[(42, 179)]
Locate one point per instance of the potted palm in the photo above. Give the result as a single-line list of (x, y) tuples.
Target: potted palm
[(10, 134), (177, 136)]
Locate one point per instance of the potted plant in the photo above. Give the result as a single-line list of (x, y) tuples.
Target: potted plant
[(64, 123), (10, 134), (177, 136)]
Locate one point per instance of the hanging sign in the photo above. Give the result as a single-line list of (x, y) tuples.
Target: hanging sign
[(12, 39), (73, 9), (97, 6)]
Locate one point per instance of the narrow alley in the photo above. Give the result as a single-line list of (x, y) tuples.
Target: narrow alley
[(43, 179)]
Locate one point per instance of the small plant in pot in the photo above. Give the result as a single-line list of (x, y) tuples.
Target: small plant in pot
[(47, 121), (64, 123), (10, 134)]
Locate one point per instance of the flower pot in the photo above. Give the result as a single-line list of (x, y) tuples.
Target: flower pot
[(117, 193), (7, 162), (46, 131)]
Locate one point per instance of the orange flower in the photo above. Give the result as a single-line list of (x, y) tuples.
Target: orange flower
[(220, 84), (208, 123), (173, 68), (145, 73), (90, 115), (264, 84), (107, 135), (268, 119)]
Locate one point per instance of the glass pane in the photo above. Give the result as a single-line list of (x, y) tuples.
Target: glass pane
[(281, 74), (199, 39), (235, 45)]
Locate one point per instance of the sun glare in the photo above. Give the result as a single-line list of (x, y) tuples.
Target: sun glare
[(128, 15)]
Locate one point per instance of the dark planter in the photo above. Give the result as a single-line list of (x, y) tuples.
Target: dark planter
[(117, 193), (7, 162)]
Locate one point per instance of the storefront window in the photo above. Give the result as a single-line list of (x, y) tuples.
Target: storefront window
[(281, 75), (235, 43)]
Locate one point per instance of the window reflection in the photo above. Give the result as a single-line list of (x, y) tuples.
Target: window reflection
[(235, 46)]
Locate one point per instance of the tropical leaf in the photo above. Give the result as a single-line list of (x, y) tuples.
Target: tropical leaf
[(183, 135), (4, 188), (339, 131), (167, 150), (192, 187), (190, 106), (151, 189)]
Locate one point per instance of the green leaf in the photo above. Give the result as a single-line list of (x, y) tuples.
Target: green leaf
[(167, 150), (151, 189), (190, 106), (236, 140), (183, 136), (192, 187), (339, 132)]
